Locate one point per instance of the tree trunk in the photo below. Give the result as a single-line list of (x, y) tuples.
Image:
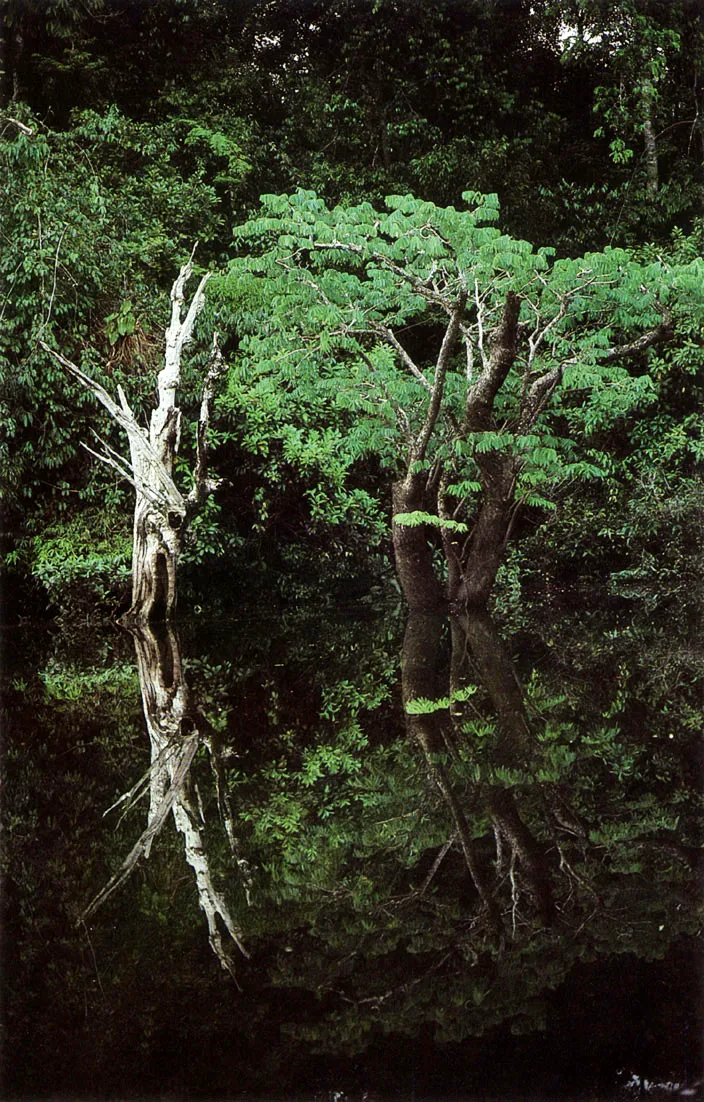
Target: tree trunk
[(422, 670), (161, 512), (651, 151), (159, 517), (412, 552), (155, 553)]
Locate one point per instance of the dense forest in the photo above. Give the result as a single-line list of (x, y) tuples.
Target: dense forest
[(395, 308), (132, 131)]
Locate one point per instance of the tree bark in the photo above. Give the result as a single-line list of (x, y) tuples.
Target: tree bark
[(412, 552), (161, 512), (651, 151), (157, 527)]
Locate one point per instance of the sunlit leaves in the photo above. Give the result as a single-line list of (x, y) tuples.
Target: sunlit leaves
[(327, 302), (418, 517), (423, 706)]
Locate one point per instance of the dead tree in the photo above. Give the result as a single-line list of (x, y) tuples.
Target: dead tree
[(161, 512)]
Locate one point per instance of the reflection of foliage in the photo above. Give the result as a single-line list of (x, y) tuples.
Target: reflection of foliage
[(208, 682), (359, 857), (69, 683), (361, 912)]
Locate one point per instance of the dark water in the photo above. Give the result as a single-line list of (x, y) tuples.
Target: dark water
[(305, 925)]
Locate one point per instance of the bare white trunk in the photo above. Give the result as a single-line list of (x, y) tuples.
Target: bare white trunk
[(161, 512), (166, 706)]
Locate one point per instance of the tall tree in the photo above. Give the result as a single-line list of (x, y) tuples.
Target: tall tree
[(472, 367), (646, 98)]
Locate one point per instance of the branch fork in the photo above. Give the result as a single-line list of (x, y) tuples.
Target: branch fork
[(162, 512)]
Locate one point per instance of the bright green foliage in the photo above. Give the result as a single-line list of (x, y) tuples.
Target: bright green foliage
[(341, 313), (421, 706), (83, 558), (92, 222), (97, 216)]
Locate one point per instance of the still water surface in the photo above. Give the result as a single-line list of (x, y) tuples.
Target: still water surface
[(282, 899)]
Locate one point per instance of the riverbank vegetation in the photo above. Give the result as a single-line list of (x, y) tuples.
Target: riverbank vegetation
[(452, 289), (130, 134)]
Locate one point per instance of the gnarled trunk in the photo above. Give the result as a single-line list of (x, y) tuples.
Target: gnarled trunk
[(176, 730), (156, 548), (161, 512)]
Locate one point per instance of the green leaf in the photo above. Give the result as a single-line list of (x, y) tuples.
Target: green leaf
[(416, 518)]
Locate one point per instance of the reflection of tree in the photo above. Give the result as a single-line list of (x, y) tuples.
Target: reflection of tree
[(459, 886), (396, 942), (176, 731), (474, 640), (365, 913)]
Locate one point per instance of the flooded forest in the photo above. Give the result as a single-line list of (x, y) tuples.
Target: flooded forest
[(351, 452)]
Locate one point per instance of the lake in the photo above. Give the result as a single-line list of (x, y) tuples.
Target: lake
[(230, 872)]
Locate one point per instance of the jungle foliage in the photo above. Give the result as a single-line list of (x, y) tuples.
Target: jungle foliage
[(456, 256), (129, 132)]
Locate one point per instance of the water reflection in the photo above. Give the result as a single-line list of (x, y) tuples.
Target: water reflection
[(176, 731), (411, 899)]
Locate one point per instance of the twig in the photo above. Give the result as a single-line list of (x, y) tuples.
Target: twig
[(53, 287), (391, 338)]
